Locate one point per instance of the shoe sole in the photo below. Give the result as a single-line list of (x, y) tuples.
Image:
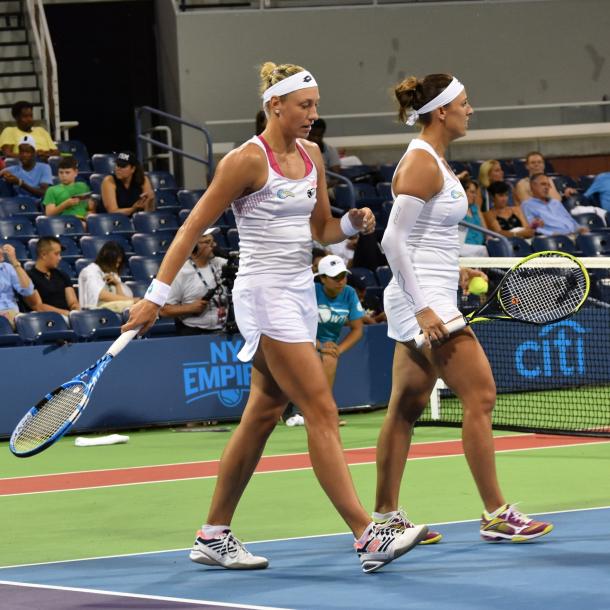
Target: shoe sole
[(199, 557), (498, 537), (371, 566)]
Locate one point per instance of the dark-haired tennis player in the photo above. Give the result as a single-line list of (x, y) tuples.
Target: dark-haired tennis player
[(421, 244), (277, 187)]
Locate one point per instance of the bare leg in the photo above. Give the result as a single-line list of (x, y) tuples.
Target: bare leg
[(463, 365), (330, 369), (413, 378)]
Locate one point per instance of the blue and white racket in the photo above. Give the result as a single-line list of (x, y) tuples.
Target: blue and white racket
[(56, 413)]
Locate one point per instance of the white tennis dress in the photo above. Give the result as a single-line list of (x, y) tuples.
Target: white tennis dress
[(274, 292), (434, 248)]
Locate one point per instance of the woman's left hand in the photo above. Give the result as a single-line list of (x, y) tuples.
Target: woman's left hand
[(362, 219), (467, 274)]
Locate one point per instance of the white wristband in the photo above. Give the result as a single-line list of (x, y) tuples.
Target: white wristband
[(157, 292), (347, 227)]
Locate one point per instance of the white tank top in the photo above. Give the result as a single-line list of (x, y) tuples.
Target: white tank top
[(274, 225), (434, 242)]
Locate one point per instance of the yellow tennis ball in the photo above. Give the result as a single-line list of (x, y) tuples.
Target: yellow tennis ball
[(478, 285)]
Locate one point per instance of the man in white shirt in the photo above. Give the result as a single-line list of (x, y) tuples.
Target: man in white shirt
[(197, 299)]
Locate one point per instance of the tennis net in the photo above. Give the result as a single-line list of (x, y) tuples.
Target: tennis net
[(549, 379)]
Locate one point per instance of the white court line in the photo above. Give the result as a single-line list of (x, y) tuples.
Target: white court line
[(270, 540), (139, 596), (284, 470)]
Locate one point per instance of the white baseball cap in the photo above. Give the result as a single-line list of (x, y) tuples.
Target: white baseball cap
[(210, 231), (331, 265), (29, 140)]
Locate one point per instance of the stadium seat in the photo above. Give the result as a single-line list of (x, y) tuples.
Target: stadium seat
[(138, 287), (188, 198), (364, 275), (594, 244), (54, 164), (103, 163), (78, 150), (167, 198), (80, 264), (7, 335), (162, 180), (93, 324), (17, 226), (90, 245), (561, 243), (144, 268), (343, 197), (386, 171), (227, 219), (591, 220), (520, 246), (21, 206), (182, 215), (43, 327), (110, 224), (59, 225), (367, 193), (233, 239), (151, 244), (584, 182), (384, 190), (152, 222), (70, 250), (384, 275), (498, 247), (95, 180), (21, 252), (6, 189), (357, 173)]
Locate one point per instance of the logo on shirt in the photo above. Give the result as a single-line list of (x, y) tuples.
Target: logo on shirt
[(311, 193), (284, 194), (455, 194)]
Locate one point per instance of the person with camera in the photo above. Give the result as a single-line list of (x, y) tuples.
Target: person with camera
[(197, 299)]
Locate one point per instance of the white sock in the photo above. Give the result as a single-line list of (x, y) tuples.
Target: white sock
[(384, 516), (211, 531)]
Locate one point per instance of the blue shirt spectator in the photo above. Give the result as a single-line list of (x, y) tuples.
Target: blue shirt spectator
[(474, 217), (334, 313), (601, 186), (13, 279), (546, 215), (29, 178)]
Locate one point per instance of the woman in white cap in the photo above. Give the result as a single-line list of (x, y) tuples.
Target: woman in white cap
[(277, 188), (421, 244)]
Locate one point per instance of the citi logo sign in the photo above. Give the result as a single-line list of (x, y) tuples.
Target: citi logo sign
[(559, 351), (222, 375)]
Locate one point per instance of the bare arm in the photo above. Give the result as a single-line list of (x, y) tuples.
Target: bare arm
[(51, 209), (354, 335)]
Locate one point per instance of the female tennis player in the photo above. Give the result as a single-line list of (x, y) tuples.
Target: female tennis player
[(277, 187), (421, 244)]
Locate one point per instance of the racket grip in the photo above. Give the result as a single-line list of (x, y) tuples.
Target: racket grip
[(117, 347), (452, 326)]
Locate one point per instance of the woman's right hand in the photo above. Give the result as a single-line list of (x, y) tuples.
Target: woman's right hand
[(432, 326), (144, 313)]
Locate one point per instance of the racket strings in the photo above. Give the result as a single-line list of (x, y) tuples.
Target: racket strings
[(544, 290), (51, 418)]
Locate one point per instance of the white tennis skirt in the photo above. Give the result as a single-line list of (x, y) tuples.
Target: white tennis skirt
[(282, 312), (402, 324)]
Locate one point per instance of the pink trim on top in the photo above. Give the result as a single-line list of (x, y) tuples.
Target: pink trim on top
[(275, 165)]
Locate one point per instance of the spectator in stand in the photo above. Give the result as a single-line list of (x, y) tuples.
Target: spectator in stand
[(317, 254), (329, 153), (69, 197), (29, 178), (128, 190), (260, 122), (490, 171), (534, 163), (371, 304), (13, 279), (53, 288), (23, 113), (99, 283), (197, 299), (474, 241), (601, 186), (547, 214), (508, 221)]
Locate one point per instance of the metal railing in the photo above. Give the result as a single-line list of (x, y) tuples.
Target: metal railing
[(143, 138), (47, 64)]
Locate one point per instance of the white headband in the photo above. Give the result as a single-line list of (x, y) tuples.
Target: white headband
[(300, 80), (447, 95)]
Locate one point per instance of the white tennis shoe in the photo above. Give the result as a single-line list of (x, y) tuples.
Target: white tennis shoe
[(226, 551), (295, 420)]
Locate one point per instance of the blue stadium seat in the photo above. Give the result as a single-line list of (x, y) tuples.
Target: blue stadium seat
[(561, 243), (163, 326), (78, 150), (182, 215), (95, 180), (8, 336), (70, 250), (162, 180), (110, 224), (144, 268), (167, 198), (151, 244), (384, 275), (21, 252), (152, 222), (366, 192), (103, 163), (233, 239), (54, 164), (520, 246), (6, 189), (59, 225), (94, 324), (90, 245), (80, 264), (21, 206), (227, 219), (138, 287), (188, 198), (357, 172), (584, 182), (386, 171), (43, 327), (591, 220), (17, 226), (384, 190), (594, 244), (498, 247), (343, 197), (364, 275)]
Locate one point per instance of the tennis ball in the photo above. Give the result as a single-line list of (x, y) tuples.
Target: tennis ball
[(478, 285)]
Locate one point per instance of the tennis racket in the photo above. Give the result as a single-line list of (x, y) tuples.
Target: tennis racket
[(56, 413), (541, 288)]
